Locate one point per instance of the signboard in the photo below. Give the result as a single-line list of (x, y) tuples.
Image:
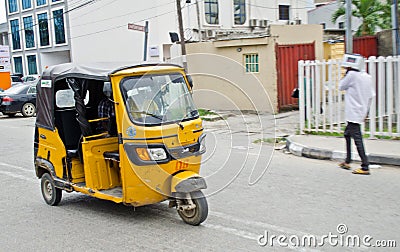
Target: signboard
[(5, 63), (154, 51), (136, 27)]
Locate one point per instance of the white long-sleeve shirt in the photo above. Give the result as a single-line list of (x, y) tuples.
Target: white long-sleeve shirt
[(359, 93)]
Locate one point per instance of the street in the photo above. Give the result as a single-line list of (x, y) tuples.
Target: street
[(295, 197)]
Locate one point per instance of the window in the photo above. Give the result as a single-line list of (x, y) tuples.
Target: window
[(32, 65), (32, 90), (43, 29), (251, 63), (284, 12), (59, 31), (211, 11), (65, 98), (29, 34), (239, 11), (323, 26), (40, 2), (12, 6), (158, 99), (26, 4), (15, 36), (341, 25), (54, 1), (18, 65)]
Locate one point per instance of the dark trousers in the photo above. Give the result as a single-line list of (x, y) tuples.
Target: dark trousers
[(353, 130)]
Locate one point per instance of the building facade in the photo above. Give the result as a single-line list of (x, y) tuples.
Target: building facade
[(104, 25), (38, 34), (48, 32), (322, 15), (3, 34), (253, 73)]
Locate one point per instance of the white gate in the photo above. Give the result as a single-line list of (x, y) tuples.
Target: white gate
[(321, 103)]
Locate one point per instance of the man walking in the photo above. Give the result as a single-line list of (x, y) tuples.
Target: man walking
[(359, 93)]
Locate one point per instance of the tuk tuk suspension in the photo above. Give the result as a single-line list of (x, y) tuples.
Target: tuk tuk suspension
[(185, 204)]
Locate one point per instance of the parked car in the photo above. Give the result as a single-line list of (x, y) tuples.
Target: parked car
[(30, 78), (16, 79), (20, 98)]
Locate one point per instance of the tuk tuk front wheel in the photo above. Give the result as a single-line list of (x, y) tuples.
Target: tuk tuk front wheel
[(198, 214), (51, 194)]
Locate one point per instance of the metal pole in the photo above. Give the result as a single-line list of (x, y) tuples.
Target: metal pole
[(349, 34), (181, 34), (146, 37), (395, 28), (198, 20)]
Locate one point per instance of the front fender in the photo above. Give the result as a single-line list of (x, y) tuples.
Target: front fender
[(186, 182)]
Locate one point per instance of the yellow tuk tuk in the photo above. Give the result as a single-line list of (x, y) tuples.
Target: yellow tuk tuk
[(145, 149)]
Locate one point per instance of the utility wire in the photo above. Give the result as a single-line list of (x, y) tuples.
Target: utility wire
[(124, 25), (49, 19), (127, 14)]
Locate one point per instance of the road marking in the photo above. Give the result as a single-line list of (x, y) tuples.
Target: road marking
[(234, 231), (15, 167), (10, 174), (246, 235), (260, 224)]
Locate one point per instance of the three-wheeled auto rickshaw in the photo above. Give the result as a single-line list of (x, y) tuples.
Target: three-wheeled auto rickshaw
[(147, 149)]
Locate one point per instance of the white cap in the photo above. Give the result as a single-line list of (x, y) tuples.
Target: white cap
[(354, 61)]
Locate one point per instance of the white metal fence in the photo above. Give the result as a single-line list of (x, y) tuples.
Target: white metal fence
[(321, 103)]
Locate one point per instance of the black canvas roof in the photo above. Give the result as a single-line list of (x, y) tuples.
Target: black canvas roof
[(95, 71)]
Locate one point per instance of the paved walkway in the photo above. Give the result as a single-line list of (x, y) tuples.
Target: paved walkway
[(333, 148), (382, 152)]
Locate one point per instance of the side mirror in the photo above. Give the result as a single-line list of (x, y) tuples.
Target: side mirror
[(190, 80)]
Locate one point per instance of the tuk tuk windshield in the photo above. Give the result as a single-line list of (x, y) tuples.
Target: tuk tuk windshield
[(158, 99)]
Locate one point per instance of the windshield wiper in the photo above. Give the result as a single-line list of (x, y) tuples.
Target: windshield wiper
[(149, 114), (157, 116)]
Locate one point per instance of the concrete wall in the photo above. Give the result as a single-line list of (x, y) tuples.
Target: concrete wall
[(99, 32), (221, 81), (54, 58), (297, 11), (385, 46)]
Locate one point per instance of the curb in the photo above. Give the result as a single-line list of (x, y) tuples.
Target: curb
[(324, 154)]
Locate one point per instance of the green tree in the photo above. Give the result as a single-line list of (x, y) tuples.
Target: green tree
[(387, 15), (370, 12)]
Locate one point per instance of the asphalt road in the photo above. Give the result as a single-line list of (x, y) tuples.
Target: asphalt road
[(253, 191)]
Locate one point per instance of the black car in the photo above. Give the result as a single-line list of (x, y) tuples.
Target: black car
[(20, 98)]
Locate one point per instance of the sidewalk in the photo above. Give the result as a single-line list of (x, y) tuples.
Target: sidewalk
[(286, 125), (385, 152)]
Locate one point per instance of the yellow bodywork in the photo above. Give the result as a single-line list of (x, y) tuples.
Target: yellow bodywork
[(123, 181), (51, 148), (144, 185)]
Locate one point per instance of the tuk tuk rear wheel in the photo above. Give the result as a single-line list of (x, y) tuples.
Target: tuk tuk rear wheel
[(51, 194), (199, 213)]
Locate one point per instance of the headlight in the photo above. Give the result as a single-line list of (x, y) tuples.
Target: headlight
[(151, 154), (157, 154), (202, 142)]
